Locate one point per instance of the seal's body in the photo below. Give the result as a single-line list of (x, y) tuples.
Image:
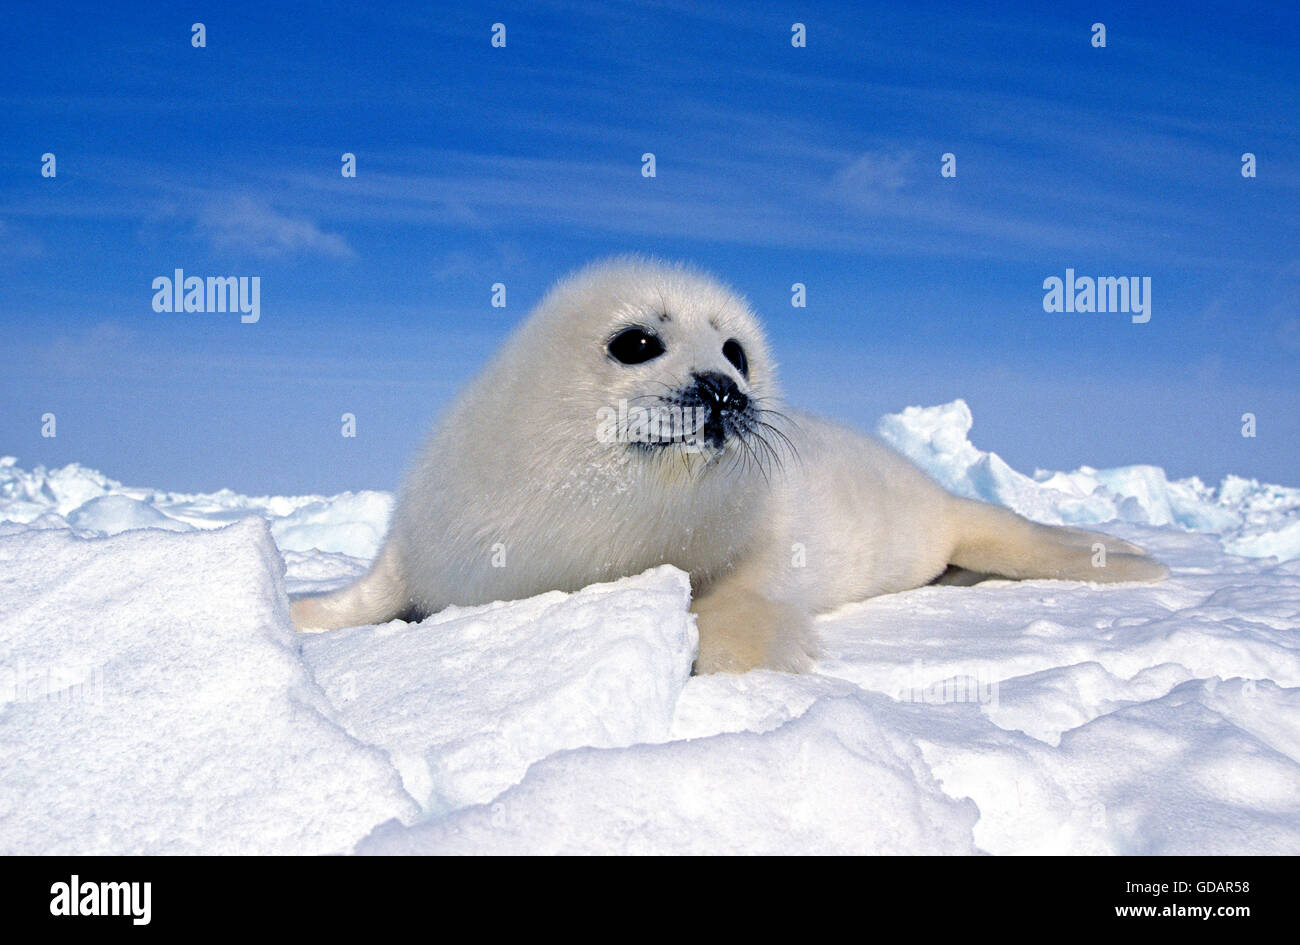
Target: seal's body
[(633, 420)]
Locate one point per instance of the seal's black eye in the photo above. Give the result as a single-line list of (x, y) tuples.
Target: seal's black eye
[(734, 353), (635, 346)]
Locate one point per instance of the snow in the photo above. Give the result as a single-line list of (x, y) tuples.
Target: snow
[(833, 780), (1250, 518), (153, 698), (351, 524), (466, 702), (154, 702)]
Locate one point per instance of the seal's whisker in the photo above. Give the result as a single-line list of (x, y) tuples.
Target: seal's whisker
[(757, 462), (778, 432)]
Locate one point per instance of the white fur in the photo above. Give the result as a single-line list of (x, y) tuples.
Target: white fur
[(515, 475)]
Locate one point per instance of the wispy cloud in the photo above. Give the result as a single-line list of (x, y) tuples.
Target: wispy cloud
[(246, 224), (875, 177)]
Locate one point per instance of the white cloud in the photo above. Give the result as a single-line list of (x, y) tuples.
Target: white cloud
[(245, 224), (874, 177)]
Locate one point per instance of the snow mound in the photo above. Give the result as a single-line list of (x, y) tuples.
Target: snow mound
[(154, 702), (114, 514), (352, 524), (466, 700), (1210, 768), (833, 781)]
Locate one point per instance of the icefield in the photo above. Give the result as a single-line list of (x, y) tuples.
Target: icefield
[(154, 698)]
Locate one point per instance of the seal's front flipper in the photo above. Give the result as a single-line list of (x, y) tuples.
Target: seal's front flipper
[(742, 629), (377, 597)]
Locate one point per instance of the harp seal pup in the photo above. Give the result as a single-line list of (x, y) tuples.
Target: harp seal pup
[(550, 472)]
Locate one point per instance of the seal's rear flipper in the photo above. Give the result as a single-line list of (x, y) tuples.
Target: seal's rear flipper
[(960, 577), (377, 597), (993, 540)]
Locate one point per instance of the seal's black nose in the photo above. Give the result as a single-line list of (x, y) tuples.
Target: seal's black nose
[(719, 393)]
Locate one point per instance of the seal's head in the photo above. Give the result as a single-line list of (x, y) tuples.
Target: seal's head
[(674, 365)]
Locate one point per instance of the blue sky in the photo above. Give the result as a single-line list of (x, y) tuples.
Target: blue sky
[(775, 165)]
